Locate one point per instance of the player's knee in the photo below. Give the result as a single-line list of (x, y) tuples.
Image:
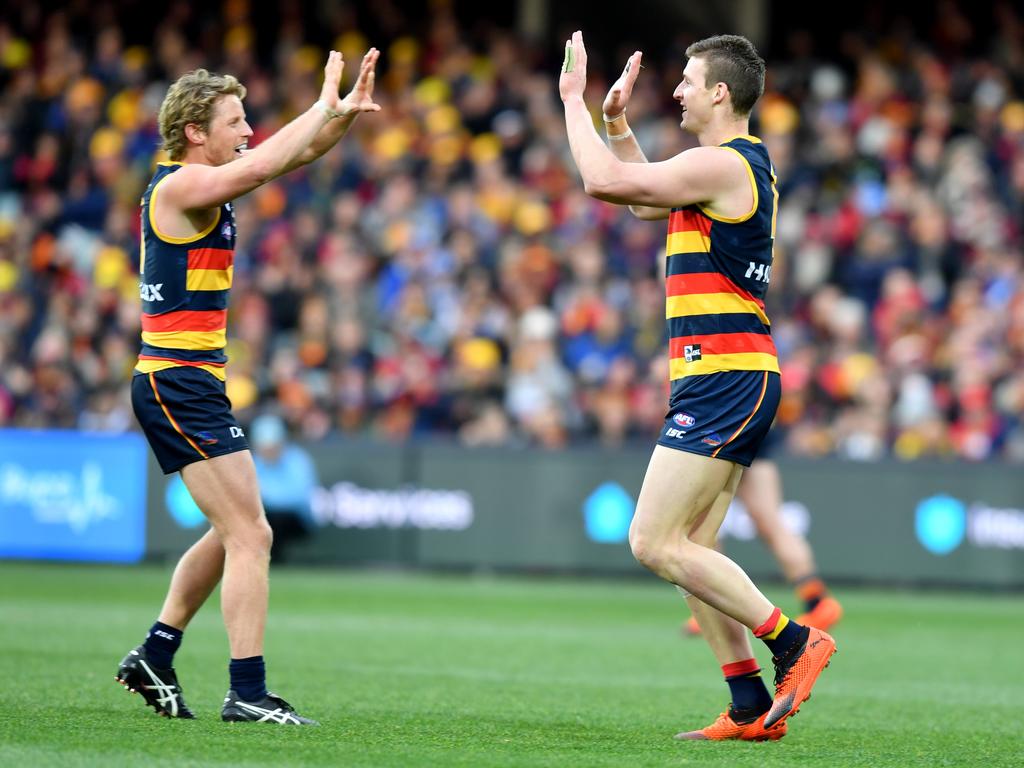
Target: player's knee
[(645, 548), (253, 538)]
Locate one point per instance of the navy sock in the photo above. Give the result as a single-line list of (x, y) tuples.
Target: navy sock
[(161, 643), (249, 678), (750, 697)]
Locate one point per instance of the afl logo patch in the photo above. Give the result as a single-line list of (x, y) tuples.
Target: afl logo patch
[(684, 420), (226, 230)]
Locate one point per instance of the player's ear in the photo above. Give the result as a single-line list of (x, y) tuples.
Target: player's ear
[(721, 91), (195, 134)]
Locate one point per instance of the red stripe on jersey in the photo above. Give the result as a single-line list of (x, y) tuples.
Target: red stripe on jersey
[(186, 320), (196, 363), (705, 282), (210, 258), (723, 344), (689, 220)]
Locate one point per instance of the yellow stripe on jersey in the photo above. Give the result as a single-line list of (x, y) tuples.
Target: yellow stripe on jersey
[(152, 366), (186, 339), (678, 368), (712, 304), (209, 279), (687, 242)]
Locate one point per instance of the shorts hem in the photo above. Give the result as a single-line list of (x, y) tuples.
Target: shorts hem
[(180, 465), (724, 456)]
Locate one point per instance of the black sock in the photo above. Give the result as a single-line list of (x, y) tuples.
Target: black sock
[(249, 678), (161, 643), (750, 697)]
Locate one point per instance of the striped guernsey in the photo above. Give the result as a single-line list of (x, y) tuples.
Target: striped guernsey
[(184, 285), (717, 274)]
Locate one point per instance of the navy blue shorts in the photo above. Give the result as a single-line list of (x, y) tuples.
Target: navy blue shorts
[(722, 415), (186, 416)]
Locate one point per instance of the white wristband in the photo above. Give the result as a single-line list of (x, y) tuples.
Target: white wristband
[(613, 119), (322, 106), (620, 136)]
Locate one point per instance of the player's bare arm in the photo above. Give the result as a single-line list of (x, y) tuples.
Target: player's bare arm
[(712, 176), (219, 168), (621, 139)]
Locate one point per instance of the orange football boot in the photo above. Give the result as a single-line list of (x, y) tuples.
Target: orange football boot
[(726, 729), (796, 671), (824, 615)]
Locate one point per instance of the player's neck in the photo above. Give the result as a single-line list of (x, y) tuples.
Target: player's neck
[(722, 131), (195, 155)]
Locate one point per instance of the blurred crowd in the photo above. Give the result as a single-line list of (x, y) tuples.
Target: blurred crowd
[(442, 273)]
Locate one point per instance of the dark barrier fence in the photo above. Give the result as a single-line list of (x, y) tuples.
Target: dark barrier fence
[(441, 505), (436, 505)]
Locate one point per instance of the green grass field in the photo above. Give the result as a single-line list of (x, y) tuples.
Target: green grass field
[(418, 670)]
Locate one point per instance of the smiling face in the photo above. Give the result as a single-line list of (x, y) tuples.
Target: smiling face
[(229, 132), (694, 96)]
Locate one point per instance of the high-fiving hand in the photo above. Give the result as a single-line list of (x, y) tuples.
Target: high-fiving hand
[(360, 98), (573, 80), (618, 95)]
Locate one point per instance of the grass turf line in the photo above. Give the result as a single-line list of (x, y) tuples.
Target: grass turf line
[(415, 670)]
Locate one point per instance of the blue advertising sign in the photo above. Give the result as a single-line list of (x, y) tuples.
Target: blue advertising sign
[(72, 496)]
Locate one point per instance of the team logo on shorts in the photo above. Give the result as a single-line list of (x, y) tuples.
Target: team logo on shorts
[(712, 439), (205, 438), (684, 420), (691, 352)]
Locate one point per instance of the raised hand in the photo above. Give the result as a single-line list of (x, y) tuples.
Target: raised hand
[(618, 96), (573, 80), (332, 81), (360, 98)]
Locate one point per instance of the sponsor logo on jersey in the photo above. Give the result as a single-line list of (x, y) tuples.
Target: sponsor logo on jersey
[(691, 352), (151, 291)]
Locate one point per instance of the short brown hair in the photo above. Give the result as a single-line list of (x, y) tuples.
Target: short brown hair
[(733, 60), (192, 99)]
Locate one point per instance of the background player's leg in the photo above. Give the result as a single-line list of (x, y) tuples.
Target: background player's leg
[(761, 493), (195, 577), (226, 490), (677, 496)]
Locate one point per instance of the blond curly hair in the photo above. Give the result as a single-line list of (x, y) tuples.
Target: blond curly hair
[(192, 99)]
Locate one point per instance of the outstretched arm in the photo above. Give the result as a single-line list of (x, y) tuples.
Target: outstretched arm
[(201, 187), (621, 139), (699, 175)]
